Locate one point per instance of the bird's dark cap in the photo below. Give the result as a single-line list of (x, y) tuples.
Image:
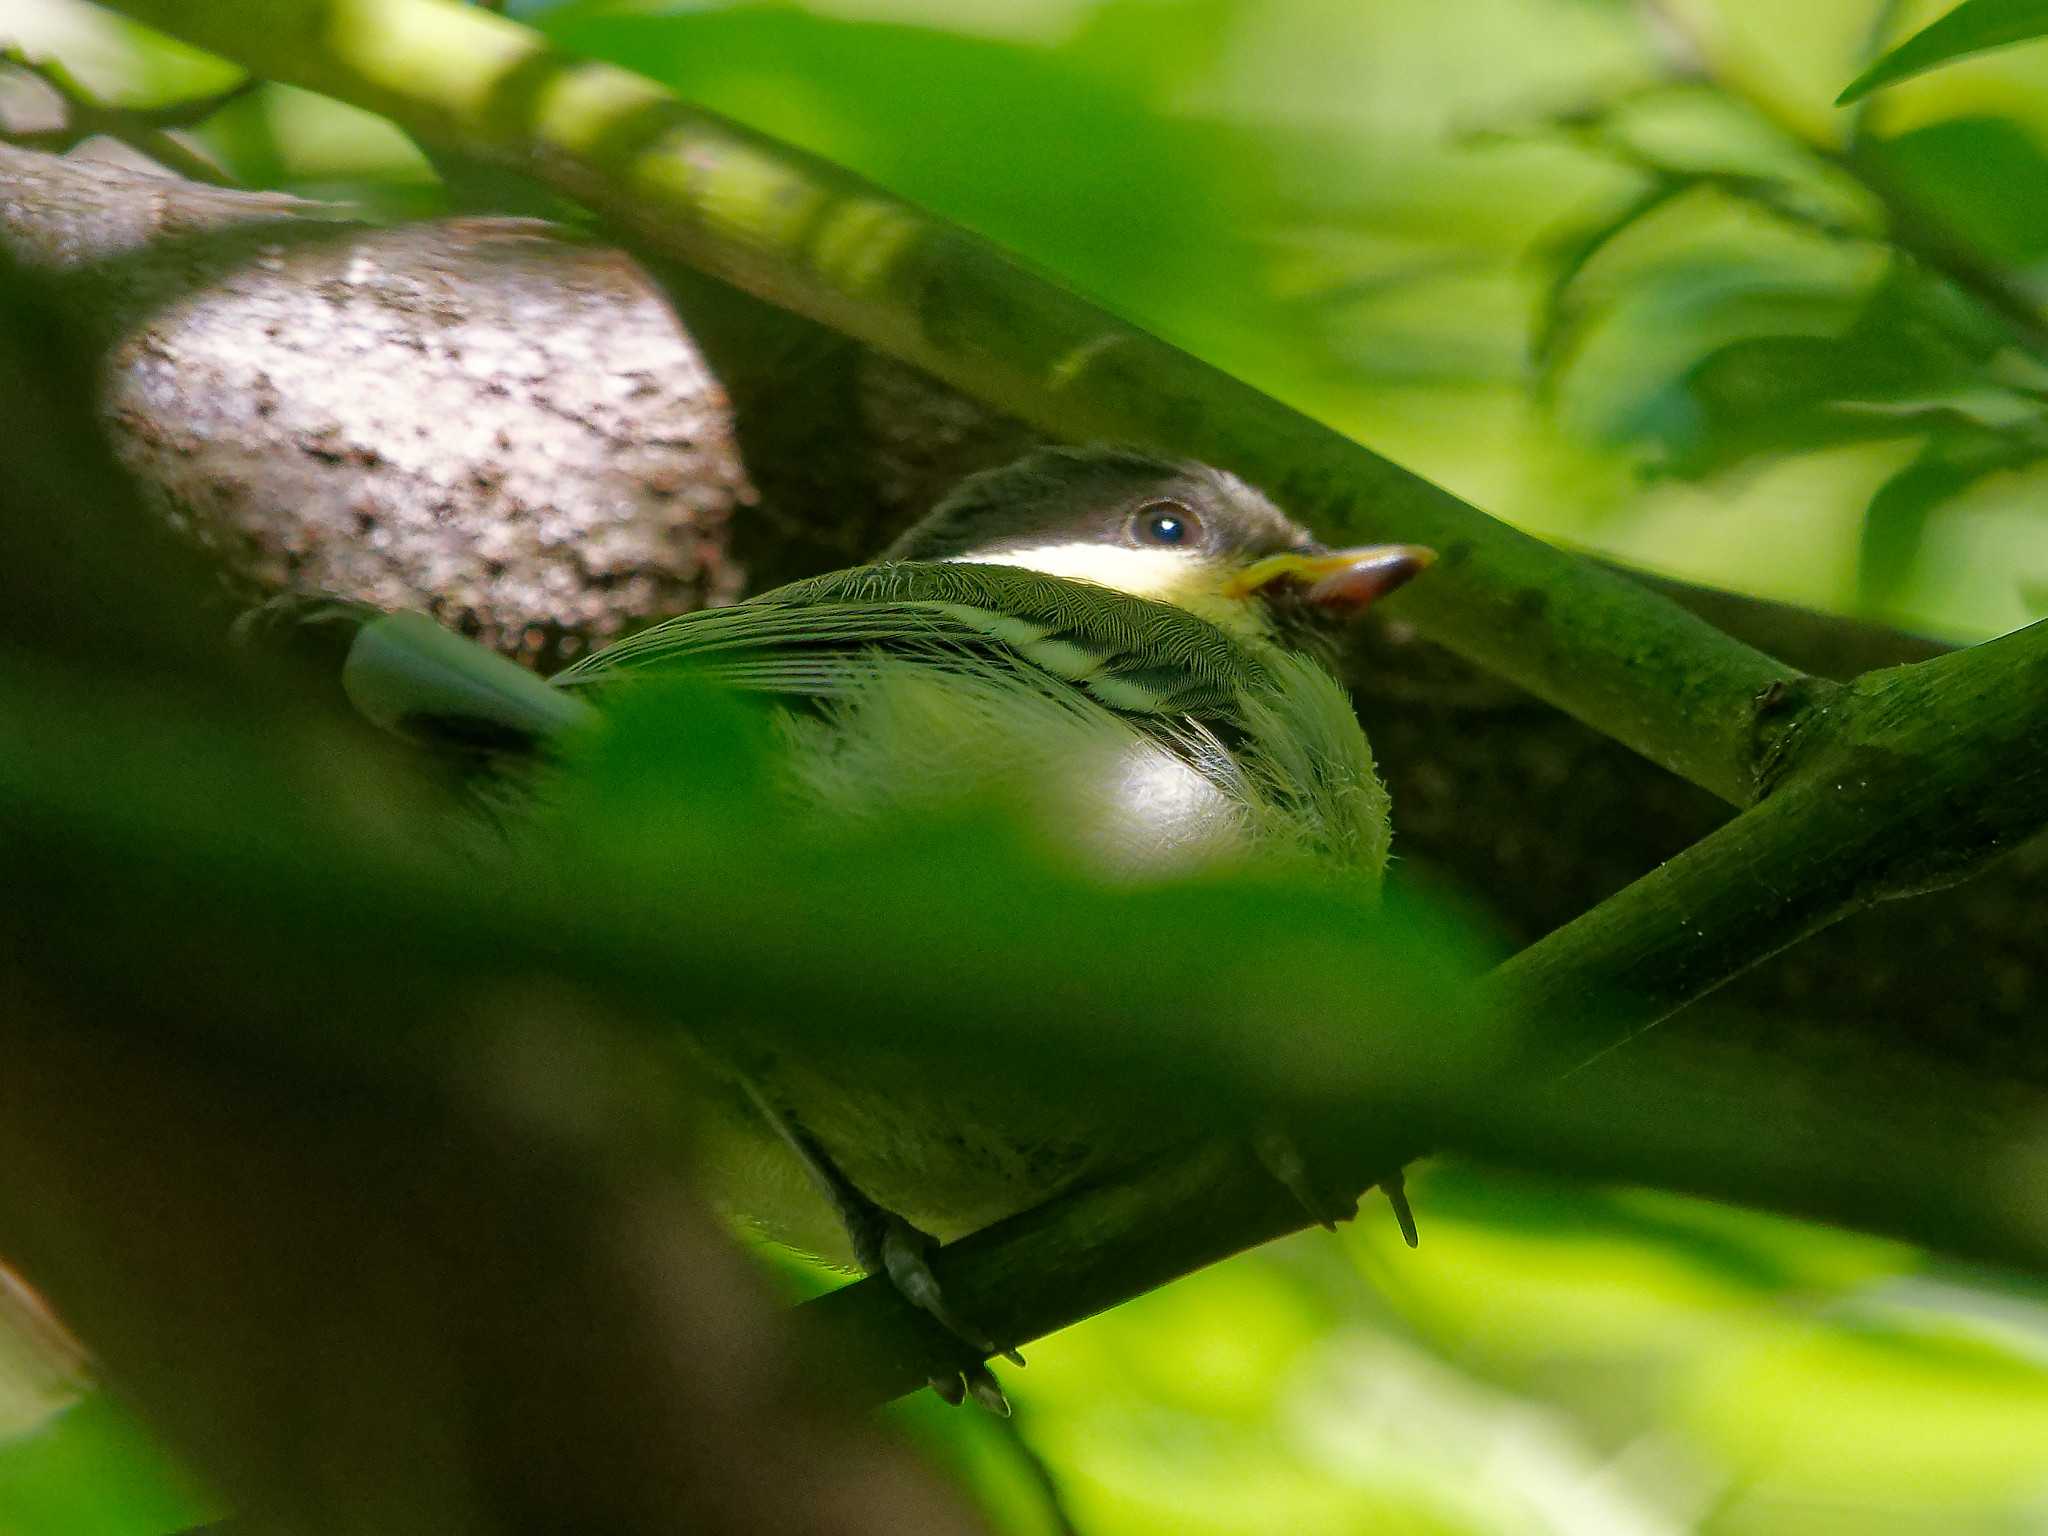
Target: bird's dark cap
[(1088, 495)]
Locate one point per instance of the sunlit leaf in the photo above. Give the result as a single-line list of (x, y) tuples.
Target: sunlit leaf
[(1971, 27)]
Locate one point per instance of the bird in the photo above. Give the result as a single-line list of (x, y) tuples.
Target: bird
[(1138, 648)]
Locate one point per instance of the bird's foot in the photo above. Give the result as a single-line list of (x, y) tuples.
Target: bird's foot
[(884, 1242)]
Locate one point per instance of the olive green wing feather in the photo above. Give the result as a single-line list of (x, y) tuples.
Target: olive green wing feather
[(818, 639)]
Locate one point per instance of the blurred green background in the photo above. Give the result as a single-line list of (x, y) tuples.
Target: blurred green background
[(1621, 274)]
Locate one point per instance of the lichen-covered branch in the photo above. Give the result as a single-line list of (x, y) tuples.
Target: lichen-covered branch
[(815, 239)]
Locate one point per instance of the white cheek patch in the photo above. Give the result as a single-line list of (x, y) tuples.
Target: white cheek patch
[(1164, 575), (1191, 582)]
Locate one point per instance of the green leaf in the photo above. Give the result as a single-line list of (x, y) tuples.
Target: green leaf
[(1793, 376), (1572, 254), (1895, 523), (1971, 27), (92, 1471), (1986, 178)]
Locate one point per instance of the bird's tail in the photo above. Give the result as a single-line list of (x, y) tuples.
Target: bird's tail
[(407, 674)]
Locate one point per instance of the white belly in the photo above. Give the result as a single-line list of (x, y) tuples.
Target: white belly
[(1082, 777)]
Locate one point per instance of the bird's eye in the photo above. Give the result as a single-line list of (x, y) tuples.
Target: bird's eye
[(1166, 525)]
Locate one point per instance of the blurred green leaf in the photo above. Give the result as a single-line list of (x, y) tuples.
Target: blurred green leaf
[(1971, 27), (92, 1471), (1985, 178), (1920, 1416), (278, 136), (1895, 526), (1072, 162), (1910, 359), (120, 61), (1569, 256)]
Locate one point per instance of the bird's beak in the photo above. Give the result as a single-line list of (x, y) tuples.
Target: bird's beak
[(1344, 581)]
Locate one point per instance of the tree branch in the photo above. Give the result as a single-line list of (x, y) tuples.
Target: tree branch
[(815, 239), (1918, 1155)]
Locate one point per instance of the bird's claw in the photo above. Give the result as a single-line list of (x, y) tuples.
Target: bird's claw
[(976, 1381), (900, 1251), (983, 1387), (1396, 1188), (884, 1243), (903, 1250), (1281, 1157)]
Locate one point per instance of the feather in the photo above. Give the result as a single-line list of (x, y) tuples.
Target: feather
[(1174, 662), (922, 679), (411, 676)]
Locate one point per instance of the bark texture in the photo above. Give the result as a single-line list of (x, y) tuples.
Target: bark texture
[(490, 417)]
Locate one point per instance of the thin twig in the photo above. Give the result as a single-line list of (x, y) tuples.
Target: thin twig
[(148, 130)]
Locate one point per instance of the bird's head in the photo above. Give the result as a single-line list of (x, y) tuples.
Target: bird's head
[(1174, 532)]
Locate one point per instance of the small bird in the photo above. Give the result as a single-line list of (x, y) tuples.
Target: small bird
[(1136, 647)]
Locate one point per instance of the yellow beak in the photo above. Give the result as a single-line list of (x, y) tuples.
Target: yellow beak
[(1346, 580)]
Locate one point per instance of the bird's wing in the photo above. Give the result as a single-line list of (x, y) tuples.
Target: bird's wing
[(818, 639)]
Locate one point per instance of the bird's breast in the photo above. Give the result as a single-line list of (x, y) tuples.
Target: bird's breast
[(1130, 798), (1087, 782)]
